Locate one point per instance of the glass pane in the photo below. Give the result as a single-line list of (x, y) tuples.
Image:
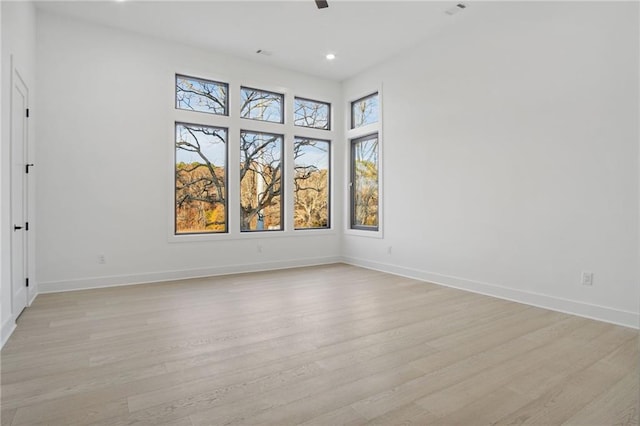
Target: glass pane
[(308, 113), (260, 181), (201, 95), (261, 105), (311, 183), (201, 179), (364, 111), (364, 185)]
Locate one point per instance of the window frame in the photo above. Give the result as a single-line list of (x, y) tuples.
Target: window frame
[(329, 113), (329, 183), (226, 182), (350, 135), (226, 100), (282, 108)]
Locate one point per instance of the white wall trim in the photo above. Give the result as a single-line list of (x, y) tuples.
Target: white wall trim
[(33, 297), (151, 277), (596, 312), (10, 325), (7, 330)]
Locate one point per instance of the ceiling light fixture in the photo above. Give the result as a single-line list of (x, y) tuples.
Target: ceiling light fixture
[(330, 56)]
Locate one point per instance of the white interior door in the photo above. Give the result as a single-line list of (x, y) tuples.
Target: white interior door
[(19, 140)]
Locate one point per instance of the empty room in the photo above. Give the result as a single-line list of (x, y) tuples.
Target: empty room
[(320, 212)]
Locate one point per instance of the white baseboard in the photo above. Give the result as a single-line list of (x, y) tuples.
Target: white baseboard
[(33, 297), (119, 280), (7, 330), (600, 313)]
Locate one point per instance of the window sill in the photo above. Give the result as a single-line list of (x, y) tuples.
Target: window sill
[(363, 233), (251, 235)]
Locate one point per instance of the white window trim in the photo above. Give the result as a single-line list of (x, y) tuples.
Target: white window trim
[(351, 134), (235, 124)]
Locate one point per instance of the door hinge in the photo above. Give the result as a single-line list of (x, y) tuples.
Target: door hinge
[(26, 168), (27, 112), (26, 281), (26, 226)]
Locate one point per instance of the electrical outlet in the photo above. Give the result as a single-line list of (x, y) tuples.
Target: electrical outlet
[(389, 249), (259, 248), (587, 278), (101, 259)]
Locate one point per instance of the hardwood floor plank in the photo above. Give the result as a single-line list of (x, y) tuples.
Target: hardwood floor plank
[(410, 414), (559, 403), (448, 400), (6, 416), (345, 416), (313, 405), (617, 406), (331, 344)]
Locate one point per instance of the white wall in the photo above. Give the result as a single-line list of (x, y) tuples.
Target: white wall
[(104, 186), (18, 42), (511, 156)]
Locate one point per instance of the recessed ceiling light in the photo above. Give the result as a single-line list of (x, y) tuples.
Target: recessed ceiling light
[(330, 56)]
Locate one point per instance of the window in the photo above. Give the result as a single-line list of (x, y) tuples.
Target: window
[(364, 183), (261, 160), (308, 113), (261, 105), (311, 183), (200, 179), (201, 95), (205, 138), (364, 111)]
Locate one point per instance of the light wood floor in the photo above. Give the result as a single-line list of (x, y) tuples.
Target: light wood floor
[(325, 345)]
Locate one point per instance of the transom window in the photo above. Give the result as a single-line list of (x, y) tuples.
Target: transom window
[(309, 113), (201, 95), (364, 111), (261, 105)]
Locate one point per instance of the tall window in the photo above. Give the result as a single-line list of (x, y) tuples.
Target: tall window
[(261, 105), (200, 179), (364, 163), (261, 158), (364, 182), (311, 183)]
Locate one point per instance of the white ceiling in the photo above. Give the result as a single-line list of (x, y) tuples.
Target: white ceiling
[(298, 35)]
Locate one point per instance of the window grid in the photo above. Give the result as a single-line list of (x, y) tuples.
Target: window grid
[(286, 147)]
